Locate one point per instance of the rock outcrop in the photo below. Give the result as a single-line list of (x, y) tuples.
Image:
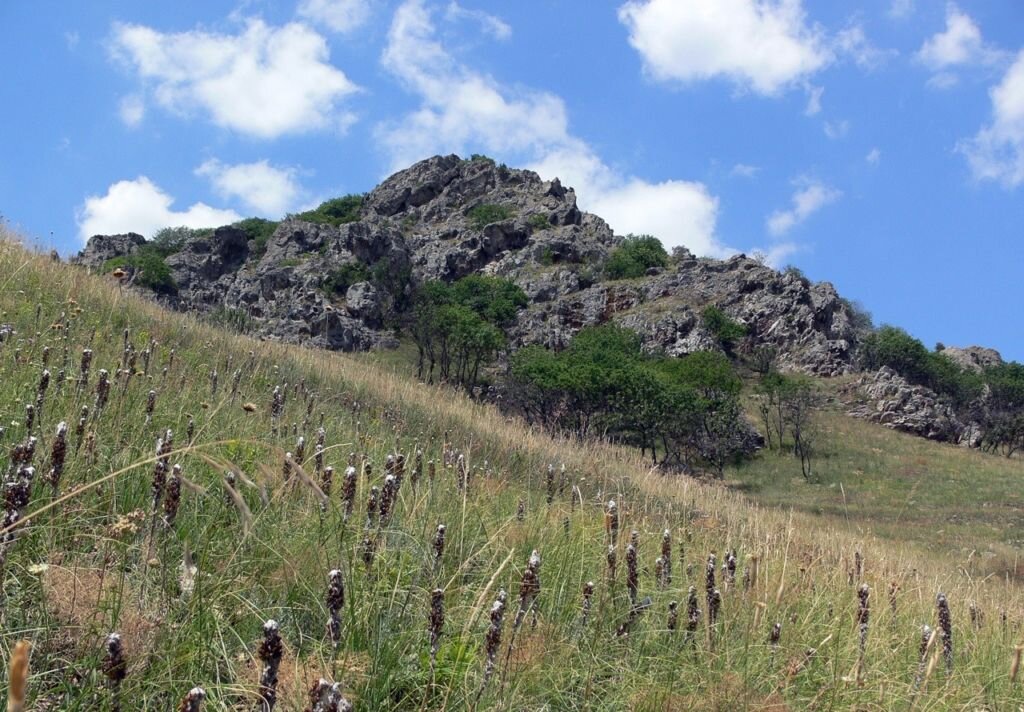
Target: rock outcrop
[(445, 218), (974, 358), (887, 398)]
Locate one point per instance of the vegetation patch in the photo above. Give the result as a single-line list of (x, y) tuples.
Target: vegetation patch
[(339, 279), (483, 215), (336, 211), (636, 255), (147, 267)]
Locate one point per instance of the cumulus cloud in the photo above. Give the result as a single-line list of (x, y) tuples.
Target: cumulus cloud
[(340, 16), (960, 44), (809, 198), (900, 9), (141, 206), (760, 45), (264, 81), (836, 130), (852, 42), (996, 152), (266, 189), (464, 110)]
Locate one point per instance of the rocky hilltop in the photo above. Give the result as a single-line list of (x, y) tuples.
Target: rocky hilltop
[(444, 218)]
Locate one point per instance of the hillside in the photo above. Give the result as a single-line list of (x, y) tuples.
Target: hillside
[(102, 550), (345, 277)]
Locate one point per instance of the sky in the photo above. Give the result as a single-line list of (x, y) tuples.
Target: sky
[(877, 145)]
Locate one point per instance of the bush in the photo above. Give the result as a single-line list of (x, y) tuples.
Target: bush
[(258, 230), (487, 213), (635, 256), (171, 240), (539, 221), (338, 280), (727, 331), (336, 211), (149, 269)]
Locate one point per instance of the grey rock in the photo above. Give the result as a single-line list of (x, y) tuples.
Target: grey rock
[(973, 358), (101, 248)]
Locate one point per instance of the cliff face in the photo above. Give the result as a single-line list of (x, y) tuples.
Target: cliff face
[(444, 218)]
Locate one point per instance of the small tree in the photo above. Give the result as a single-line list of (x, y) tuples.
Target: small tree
[(726, 330), (635, 256)]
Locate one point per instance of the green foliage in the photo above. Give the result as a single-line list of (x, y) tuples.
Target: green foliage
[(1003, 412), (895, 348), (291, 262), (727, 331), (487, 213), (147, 267), (336, 211), (259, 231), (684, 410), (393, 275), (635, 256), (860, 316), (458, 328), (339, 279), (171, 240), (539, 221)]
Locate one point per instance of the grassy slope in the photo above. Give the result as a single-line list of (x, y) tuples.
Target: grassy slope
[(105, 573)]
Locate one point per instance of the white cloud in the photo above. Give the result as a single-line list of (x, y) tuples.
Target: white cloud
[(268, 190), (141, 206), (996, 152), (874, 156), (744, 170), (131, 109), (942, 80), (776, 255), (959, 44), (762, 45), (900, 9), (852, 42), (463, 111), (810, 197), (837, 129), (491, 24), (71, 39), (814, 100), (342, 16), (264, 81)]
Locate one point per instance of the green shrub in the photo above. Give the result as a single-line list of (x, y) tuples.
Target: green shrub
[(258, 230), (635, 256), (171, 240), (338, 280), (149, 268), (727, 331), (487, 213), (539, 221), (336, 211)]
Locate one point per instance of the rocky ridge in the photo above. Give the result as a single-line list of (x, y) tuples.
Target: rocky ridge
[(425, 223)]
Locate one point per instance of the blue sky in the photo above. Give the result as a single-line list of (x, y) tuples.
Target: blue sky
[(877, 145)]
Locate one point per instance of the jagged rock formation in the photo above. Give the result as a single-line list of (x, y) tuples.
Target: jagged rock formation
[(887, 398), (444, 218), (974, 358)]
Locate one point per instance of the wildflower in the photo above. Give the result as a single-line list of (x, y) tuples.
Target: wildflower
[(150, 405), (863, 614), (714, 606), (439, 546), (945, 630), (30, 417), (436, 622), (632, 574), (348, 490), (612, 559), (235, 378), (369, 549), (115, 668), (335, 602), (190, 430), (529, 589), (666, 556), (213, 383), (159, 476), (611, 522), (58, 451), (550, 481), (588, 595), (431, 471), (270, 652), (172, 500), (730, 568), (286, 468), (325, 696), (326, 480), (492, 641), (521, 511), (17, 679), (417, 467), (387, 499), (102, 390), (709, 580), (300, 451), (922, 653), (83, 369), (193, 701), (673, 615)]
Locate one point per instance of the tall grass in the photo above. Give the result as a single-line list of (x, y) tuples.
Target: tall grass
[(414, 625)]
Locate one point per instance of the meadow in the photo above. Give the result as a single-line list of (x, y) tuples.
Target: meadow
[(187, 507)]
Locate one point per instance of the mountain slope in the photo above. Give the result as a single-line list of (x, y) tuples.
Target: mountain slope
[(100, 559)]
